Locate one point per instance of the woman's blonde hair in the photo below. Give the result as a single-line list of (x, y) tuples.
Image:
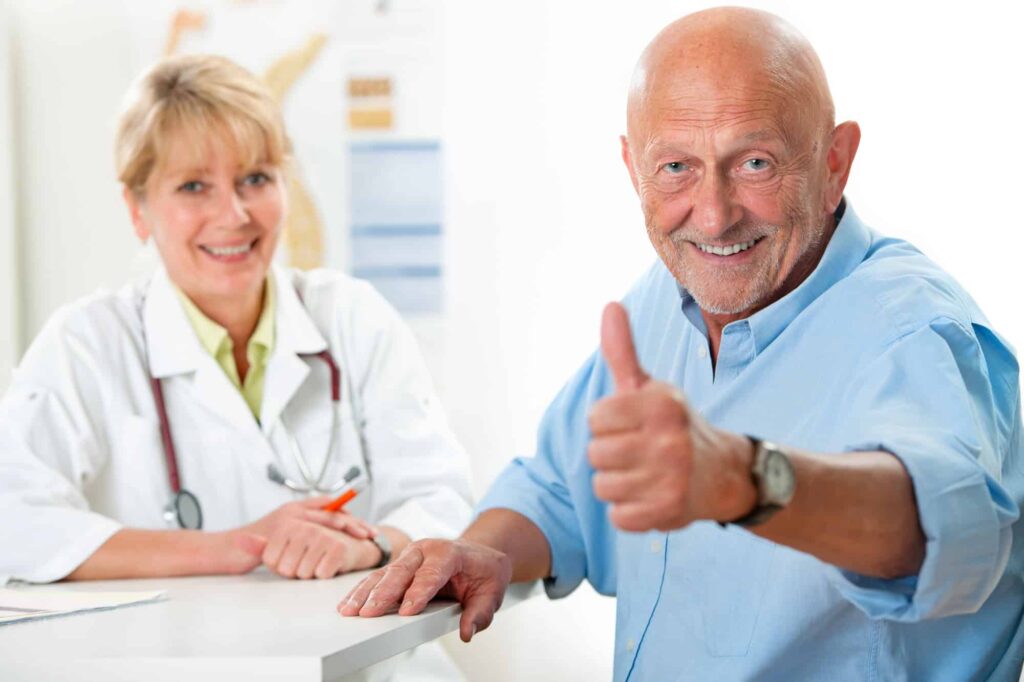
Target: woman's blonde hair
[(189, 99)]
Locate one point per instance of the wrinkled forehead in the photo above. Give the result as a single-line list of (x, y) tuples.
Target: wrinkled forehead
[(697, 103)]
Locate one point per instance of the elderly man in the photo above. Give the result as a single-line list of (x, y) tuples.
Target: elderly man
[(804, 459)]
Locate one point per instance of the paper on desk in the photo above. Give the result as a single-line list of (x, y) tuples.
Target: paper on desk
[(25, 604)]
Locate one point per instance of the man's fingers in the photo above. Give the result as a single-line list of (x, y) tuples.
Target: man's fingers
[(618, 350), (615, 451), (398, 575), (632, 517), (355, 599), (621, 486), (428, 581), (477, 613)]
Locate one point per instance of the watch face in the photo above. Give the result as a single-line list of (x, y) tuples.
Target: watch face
[(779, 479)]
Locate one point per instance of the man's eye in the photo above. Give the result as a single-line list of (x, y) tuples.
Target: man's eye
[(675, 167), (756, 164), (191, 187)]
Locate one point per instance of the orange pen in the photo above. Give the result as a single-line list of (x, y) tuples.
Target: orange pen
[(341, 500), (347, 494), (345, 497)]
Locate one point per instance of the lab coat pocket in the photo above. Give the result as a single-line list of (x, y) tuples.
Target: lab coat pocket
[(731, 608)]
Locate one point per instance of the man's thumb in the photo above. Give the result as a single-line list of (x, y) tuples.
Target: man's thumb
[(618, 350)]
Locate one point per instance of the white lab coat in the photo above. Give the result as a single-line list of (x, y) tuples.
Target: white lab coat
[(80, 449)]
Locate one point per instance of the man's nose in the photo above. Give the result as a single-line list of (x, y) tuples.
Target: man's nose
[(714, 210)]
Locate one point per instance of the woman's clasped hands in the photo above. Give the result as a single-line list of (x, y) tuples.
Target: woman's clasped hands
[(301, 540)]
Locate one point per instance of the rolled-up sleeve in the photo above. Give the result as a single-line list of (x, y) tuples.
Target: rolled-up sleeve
[(553, 491), (47, 451), (945, 401)]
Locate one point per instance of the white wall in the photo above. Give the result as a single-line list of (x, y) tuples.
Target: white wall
[(9, 312), (543, 227)]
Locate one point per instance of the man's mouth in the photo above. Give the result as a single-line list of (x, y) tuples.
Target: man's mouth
[(227, 251), (728, 249)]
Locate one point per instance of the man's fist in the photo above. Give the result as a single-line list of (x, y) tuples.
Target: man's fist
[(659, 464)]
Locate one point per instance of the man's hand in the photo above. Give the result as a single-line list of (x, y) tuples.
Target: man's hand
[(659, 464), (303, 541), (473, 574)]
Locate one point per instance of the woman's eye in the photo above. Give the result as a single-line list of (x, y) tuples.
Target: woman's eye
[(257, 179), (675, 167), (756, 164), (191, 187)]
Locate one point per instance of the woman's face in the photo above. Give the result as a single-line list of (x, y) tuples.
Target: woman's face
[(215, 222)]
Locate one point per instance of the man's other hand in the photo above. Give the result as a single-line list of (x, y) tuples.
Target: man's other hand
[(473, 574)]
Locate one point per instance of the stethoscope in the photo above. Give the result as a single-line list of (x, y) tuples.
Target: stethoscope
[(184, 510)]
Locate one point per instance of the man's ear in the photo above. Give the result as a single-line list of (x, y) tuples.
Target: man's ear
[(628, 160), (133, 200), (842, 150)]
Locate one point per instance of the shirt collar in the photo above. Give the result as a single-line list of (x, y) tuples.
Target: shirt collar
[(213, 336), (846, 249)]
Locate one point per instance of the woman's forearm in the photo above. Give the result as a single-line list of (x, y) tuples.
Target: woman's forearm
[(133, 553)]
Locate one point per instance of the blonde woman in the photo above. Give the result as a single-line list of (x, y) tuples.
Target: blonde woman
[(196, 422)]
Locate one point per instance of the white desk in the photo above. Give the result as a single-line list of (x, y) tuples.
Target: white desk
[(253, 627)]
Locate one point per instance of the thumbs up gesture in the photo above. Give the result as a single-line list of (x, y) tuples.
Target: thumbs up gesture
[(660, 464)]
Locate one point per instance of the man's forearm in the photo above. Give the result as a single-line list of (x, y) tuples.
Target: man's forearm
[(854, 510), (517, 537)]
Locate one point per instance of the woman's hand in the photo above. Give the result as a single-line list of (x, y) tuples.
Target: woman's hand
[(303, 541)]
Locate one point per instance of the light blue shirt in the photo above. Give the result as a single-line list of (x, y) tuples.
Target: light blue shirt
[(877, 349)]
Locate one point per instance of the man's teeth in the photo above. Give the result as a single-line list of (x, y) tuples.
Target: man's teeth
[(228, 250), (726, 250)]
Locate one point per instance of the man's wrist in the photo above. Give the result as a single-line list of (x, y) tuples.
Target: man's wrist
[(739, 494)]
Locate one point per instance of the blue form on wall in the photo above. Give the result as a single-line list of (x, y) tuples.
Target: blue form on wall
[(396, 221)]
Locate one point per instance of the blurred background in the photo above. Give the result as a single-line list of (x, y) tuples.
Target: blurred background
[(464, 157)]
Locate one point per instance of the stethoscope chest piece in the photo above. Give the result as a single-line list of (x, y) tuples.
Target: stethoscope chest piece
[(184, 511)]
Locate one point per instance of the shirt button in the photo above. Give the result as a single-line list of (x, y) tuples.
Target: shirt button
[(703, 352), (655, 546), (630, 644)]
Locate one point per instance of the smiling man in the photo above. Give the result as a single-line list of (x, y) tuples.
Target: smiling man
[(798, 453)]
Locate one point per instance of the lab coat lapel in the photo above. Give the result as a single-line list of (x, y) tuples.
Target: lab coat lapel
[(174, 349), (295, 334)]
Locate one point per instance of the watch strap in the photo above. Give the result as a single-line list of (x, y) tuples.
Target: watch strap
[(762, 510), (384, 545)]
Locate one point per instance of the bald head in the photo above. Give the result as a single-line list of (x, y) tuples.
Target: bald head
[(732, 49)]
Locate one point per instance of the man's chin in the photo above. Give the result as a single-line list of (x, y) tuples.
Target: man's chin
[(722, 305)]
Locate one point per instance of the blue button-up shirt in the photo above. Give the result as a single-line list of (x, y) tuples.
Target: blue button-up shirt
[(877, 349)]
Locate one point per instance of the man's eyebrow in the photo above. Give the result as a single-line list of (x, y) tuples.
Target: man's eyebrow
[(763, 135)]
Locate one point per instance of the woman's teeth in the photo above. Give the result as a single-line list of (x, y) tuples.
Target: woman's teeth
[(228, 250), (727, 250)]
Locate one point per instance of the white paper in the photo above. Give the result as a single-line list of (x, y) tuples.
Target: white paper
[(27, 603)]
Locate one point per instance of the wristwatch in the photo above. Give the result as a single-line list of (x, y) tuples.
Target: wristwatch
[(384, 545), (775, 480)]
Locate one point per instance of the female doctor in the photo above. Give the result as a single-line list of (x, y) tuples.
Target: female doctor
[(196, 422)]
